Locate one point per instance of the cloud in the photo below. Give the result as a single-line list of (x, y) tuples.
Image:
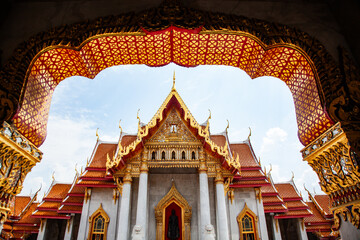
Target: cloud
[(70, 141), (273, 136)]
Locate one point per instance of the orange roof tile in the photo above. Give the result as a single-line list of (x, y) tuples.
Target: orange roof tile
[(69, 209), (49, 204), (94, 174), (272, 199), (286, 190), (324, 203), (77, 189), (99, 158), (219, 140), (252, 173), (18, 204), (245, 155), (127, 139), (296, 204), (27, 216), (317, 217), (58, 191), (274, 208), (73, 199), (297, 213)]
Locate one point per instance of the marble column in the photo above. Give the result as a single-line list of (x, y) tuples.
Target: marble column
[(41, 234), (124, 215), (140, 229), (205, 220), (301, 229), (223, 226)]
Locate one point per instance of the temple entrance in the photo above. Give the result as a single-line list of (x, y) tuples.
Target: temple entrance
[(173, 222), (173, 216)]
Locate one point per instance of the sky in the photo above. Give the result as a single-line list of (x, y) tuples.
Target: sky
[(81, 105)]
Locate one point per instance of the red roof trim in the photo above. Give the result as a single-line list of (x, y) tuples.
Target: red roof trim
[(298, 208), (270, 194), (52, 199), (93, 178), (46, 209), (251, 178), (293, 199), (76, 194), (95, 169), (69, 211), (275, 211), (293, 216), (51, 217), (99, 185), (26, 224), (72, 204), (272, 203), (250, 168), (248, 185)]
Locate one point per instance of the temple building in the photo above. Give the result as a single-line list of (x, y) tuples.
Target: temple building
[(171, 180)]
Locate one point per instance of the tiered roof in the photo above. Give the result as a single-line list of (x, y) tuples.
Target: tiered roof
[(251, 172), (297, 208), (20, 223), (272, 201), (73, 201), (50, 204), (322, 220), (95, 174)]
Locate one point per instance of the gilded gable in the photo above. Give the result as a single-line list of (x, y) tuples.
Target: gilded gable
[(173, 130)]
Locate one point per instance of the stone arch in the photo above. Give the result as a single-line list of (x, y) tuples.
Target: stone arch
[(173, 196), (270, 49)]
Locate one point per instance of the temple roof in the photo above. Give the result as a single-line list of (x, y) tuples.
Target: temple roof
[(173, 100), (52, 201), (297, 208), (19, 221), (272, 201)]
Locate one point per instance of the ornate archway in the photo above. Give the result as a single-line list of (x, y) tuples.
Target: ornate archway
[(173, 197), (323, 91)]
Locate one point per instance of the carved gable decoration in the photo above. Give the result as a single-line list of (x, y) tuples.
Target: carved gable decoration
[(173, 130)]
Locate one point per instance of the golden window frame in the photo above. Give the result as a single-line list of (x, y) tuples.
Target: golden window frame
[(247, 211), (99, 211)]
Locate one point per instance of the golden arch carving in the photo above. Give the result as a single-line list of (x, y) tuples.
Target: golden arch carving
[(247, 211), (173, 196), (100, 211)]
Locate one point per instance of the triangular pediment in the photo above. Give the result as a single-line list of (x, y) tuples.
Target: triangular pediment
[(173, 129)]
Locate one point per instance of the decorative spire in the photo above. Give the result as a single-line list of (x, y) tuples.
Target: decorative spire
[(249, 134), (120, 127), (292, 177), (227, 127), (97, 134), (173, 87), (137, 116), (53, 176)]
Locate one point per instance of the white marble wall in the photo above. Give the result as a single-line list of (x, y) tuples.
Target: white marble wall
[(99, 196), (42, 229), (242, 196)]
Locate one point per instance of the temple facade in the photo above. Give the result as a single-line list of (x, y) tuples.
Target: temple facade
[(171, 180)]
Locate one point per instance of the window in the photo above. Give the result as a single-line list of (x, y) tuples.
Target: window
[(163, 155), (153, 155), (193, 155), (183, 155), (248, 232), (173, 156), (247, 224), (98, 228), (98, 222)]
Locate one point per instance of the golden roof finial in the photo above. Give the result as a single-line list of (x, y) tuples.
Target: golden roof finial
[(97, 134), (249, 133), (173, 87), (227, 127), (292, 177), (120, 127), (76, 171), (53, 176), (209, 115), (259, 161)]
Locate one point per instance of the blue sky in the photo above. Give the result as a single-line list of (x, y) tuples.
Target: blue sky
[(80, 106)]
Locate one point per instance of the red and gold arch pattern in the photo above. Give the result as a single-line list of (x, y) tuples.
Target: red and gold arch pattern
[(184, 47)]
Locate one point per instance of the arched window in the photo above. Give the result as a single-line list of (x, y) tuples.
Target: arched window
[(98, 224), (193, 155), (173, 156), (153, 155), (183, 155), (247, 224), (163, 155)]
